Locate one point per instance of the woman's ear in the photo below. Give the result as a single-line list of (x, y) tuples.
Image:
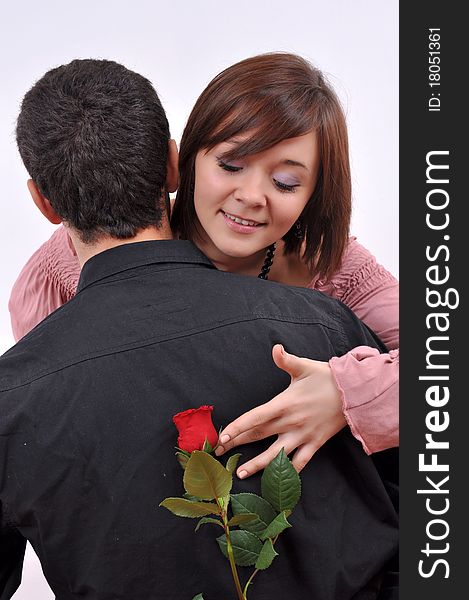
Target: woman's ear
[(172, 175), (43, 203)]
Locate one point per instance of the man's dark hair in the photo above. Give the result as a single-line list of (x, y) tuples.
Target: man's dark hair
[(94, 138)]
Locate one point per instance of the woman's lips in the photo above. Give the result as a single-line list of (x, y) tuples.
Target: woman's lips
[(240, 225)]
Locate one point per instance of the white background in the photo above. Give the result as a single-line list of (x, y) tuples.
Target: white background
[(180, 46)]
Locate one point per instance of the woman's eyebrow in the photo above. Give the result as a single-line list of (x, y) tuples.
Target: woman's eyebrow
[(294, 163)]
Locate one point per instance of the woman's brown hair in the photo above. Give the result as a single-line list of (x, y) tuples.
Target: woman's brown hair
[(273, 97)]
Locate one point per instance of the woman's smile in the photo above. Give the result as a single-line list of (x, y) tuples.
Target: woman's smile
[(240, 224), (245, 205)]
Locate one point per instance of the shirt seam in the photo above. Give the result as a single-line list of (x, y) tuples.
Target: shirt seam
[(94, 279), (155, 340)]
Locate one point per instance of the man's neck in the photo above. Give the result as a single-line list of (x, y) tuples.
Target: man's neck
[(87, 251)]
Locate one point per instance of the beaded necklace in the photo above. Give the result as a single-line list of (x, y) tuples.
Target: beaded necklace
[(269, 259)]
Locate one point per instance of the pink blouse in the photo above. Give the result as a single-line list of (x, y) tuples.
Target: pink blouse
[(368, 380)]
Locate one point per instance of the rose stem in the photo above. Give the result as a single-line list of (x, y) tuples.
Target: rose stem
[(245, 592), (229, 548), (234, 571)]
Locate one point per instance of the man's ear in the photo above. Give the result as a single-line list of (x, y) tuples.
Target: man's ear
[(172, 175), (43, 203)]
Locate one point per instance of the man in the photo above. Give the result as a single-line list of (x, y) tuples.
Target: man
[(87, 397)]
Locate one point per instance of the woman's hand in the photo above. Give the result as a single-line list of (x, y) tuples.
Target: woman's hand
[(304, 416)]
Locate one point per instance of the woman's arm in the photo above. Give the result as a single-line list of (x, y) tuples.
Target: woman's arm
[(48, 280), (367, 380), (368, 289), (359, 388), (369, 386)]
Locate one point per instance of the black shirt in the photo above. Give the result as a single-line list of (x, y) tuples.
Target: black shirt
[(87, 440)]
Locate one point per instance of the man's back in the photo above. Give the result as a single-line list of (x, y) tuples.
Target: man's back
[(89, 443)]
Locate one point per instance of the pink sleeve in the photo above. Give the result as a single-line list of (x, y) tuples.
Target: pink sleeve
[(369, 383), (368, 380), (48, 280)]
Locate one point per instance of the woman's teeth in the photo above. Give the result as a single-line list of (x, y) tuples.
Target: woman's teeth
[(241, 221)]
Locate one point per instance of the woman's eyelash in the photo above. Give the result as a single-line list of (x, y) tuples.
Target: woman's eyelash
[(284, 187), (227, 167)]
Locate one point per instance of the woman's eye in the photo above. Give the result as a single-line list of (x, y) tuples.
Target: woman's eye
[(285, 187), (228, 167)]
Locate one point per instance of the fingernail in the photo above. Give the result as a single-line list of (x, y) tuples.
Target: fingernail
[(225, 438), (242, 474), (219, 450), (282, 349)]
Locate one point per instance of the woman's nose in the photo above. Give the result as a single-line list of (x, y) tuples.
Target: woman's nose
[(251, 192)]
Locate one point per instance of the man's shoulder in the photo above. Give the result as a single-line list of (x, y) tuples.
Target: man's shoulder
[(299, 305), (45, 349), (104, 321), (269, 299)]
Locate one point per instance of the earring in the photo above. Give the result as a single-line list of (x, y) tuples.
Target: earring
[(298, 230)]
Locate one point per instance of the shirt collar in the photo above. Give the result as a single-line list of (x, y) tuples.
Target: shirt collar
[(138, 254)]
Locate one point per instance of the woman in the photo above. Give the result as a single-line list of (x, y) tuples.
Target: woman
[(265, 190)]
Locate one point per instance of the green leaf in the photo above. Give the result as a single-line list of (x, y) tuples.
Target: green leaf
[(266, 556), (191, 498), (185, 452), (207, 447), (246, 503), (246, 547), (198, 597), (182, 459), (185, 508), (224, 502), (232, 463), (281, 485), (208, 520), (238, 519), (278, 525), (206, 478)]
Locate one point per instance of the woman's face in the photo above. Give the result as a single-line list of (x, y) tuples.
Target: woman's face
[(246, 204)]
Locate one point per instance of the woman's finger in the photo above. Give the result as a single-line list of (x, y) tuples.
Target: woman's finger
[(303, 455), (295, 366), (254, 425), (274, 427), (262, 460)]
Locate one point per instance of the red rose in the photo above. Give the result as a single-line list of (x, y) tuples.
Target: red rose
[(194, 426)]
